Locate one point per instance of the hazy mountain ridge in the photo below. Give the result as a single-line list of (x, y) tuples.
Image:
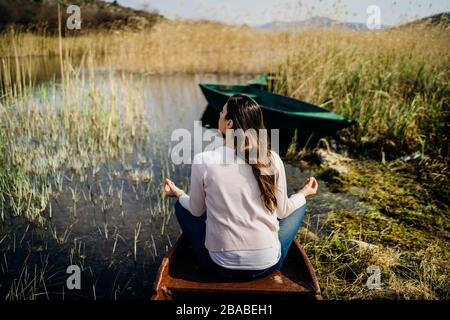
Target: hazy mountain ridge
[(441, 19), (314, 22), (438, 20)]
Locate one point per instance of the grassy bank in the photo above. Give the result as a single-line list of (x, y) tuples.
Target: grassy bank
[(405, 232)]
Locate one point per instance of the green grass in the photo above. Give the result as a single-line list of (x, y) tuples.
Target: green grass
[(409, 226)]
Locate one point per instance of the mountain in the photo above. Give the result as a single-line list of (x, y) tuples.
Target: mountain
[(441, 20), (38, 15), (314, 22)]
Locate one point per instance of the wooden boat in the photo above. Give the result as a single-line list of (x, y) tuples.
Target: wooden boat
[(179, 277), (281, 112)]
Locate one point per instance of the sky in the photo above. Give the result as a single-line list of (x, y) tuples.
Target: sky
[(257, 12)]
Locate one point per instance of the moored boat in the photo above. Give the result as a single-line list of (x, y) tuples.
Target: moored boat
[(281, 112)]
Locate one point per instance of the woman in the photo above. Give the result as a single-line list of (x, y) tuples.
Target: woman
[(238, 217)]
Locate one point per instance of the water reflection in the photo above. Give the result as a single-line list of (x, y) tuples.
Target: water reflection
[(30, 70)]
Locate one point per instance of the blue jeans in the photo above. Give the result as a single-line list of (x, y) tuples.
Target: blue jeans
[(194, 228)]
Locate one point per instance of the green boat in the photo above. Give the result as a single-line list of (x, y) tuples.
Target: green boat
[(262, 81), (280, 112)]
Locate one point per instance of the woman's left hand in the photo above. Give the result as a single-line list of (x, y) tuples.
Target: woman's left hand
[(310, 187), (171, 190)]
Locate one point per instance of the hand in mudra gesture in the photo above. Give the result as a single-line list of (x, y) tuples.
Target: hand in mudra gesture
[(171, 190), (310, 187)]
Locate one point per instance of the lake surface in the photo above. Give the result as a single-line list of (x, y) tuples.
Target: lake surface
[(119, 227)]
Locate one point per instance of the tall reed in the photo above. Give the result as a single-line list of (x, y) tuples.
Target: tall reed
[(395, 83), (74, 126)]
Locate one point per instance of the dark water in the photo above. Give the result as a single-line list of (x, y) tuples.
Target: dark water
[(120, 227)]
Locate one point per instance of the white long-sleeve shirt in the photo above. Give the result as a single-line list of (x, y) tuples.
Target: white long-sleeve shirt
[(226, 188)]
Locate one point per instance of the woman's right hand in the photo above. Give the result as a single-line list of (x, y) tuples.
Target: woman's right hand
[(310, 187), (171, 190)]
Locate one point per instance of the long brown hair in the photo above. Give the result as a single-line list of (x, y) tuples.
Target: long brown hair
[(247, 115)]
